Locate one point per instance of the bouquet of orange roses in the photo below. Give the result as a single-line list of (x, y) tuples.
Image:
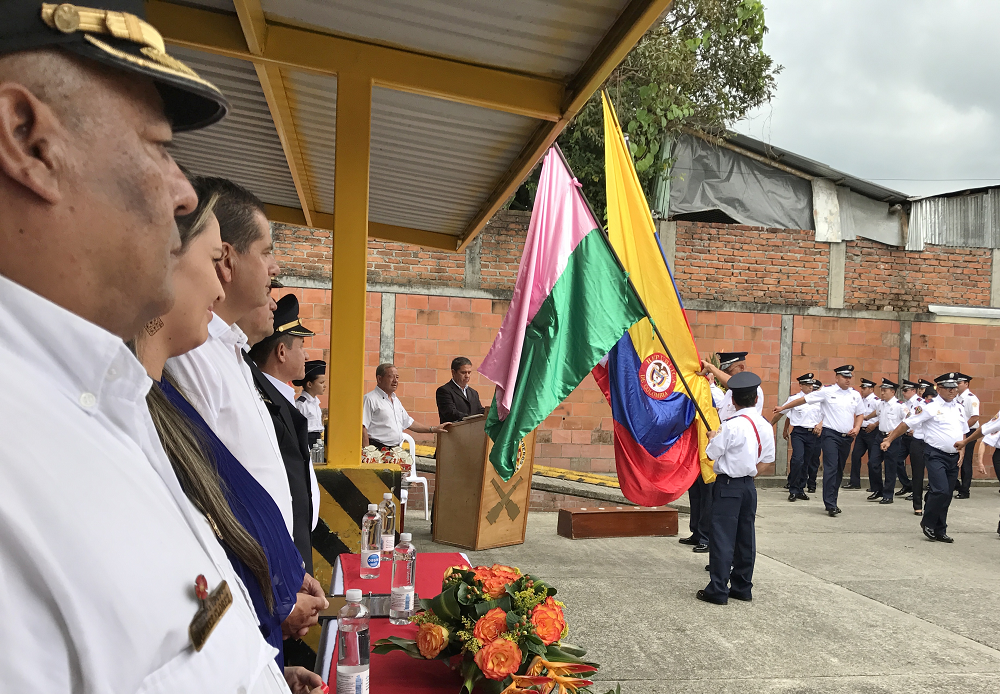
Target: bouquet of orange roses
[(507, 629)]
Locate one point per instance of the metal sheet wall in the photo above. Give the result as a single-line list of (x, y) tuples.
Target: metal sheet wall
[(244, 147), (434, 162), (313, 102), (963, 220)]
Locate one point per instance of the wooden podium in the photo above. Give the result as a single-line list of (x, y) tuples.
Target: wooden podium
[(474, 508)]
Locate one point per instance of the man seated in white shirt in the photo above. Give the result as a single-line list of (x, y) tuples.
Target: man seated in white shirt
[(384, 419)]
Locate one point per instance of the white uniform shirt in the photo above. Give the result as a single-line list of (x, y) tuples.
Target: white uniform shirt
[(728, 409), (839, 406), (99, 546), (871, 402), (890, 414), (385, 418), (913, 402), (943, 423), (806, 415), (991, 431), (308, 405), (970, 402), (743, 441), (219, 384), (718, 395)]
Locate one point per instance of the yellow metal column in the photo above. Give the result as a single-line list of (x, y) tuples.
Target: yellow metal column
[(349, 269)]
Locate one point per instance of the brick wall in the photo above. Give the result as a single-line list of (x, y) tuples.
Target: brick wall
[(500, 253), (743, 263), (303, 252), (396, 263), (885, 278)]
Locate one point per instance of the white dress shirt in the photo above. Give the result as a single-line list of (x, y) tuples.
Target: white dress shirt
[(308, 405), (807, 415), (718, 395), (943, 423), (890, 414), (728, 409), (99, 546), (871, 402), (743, 441), (219, 384), (913, 402), (384, 417), (970, 402), (838, 405), (991, 431)]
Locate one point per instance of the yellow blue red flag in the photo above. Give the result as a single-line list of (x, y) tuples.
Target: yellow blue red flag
[(659, 441)]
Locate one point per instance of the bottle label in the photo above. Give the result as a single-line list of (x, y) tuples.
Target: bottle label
[(352, 682), (388, 542), (402, 601), (369, 559)]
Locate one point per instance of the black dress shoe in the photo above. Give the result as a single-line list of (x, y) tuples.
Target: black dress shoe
[(803, 496), (785, 485), (928, 533), (941, 537), (707, 567), (909, 497), (811, 490), (791, 497), (838, 509), (738, 596), (874, 496), (962, 495), (700, 549), (689, 540), (904, 490), (701, 595), (851, 486), (886, 500), (832, 512)]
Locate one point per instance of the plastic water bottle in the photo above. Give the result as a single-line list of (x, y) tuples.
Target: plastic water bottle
[(354, 646), (387, 510), (404, 569), (371, 535)]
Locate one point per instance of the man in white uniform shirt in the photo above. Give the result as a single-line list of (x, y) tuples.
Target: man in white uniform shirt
[(215, 378), (889, 412), (805, 421), (383, 417), (913, 442), (968, 400), (842, 409), (945, 425), (864, 441), (730, 364), (738, 446), (100, 549)]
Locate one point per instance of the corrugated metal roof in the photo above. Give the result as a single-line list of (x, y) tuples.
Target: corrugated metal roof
[(433, 162), (971, 220), (313, 102), (551, 38), (819, 170), (244, 147)]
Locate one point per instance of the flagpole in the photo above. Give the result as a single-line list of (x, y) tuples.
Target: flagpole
[(635, 292)]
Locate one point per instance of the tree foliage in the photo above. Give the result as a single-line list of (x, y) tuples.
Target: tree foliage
[(703, 67)]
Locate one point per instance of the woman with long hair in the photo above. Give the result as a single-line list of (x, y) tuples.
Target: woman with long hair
[(242, 514)]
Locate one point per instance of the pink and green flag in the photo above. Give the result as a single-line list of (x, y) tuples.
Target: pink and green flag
[(571, 305)]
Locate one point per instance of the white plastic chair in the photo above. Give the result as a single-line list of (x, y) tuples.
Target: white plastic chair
[(412, 478)]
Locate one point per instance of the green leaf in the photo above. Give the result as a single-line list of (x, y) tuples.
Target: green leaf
[(555, 654), (537, 649), (644, 163), (512, 620), (504, 602), (395, 643), (472, 675), (446, 605), (551, 591), (462, 594), (571, 649)]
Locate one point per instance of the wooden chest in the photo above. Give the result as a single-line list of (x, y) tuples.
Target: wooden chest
[(617, 521)]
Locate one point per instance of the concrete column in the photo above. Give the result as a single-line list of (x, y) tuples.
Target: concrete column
[(995, 279), (473, 263), (835, 288), (784, 389), (668, 240), (387, 332), (905, 335)]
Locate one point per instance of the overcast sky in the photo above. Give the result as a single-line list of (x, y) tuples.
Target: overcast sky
[(905, 93)]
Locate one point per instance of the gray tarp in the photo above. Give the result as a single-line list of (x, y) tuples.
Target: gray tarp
[(706, 177), (870, 219)]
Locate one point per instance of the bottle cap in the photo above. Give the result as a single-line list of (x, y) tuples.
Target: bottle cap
[(405, 537), (387, 495), (373, 507), (353, 595)]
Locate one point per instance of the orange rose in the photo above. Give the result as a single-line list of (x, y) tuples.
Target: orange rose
[(490, 625), (431, 639), (495, 586), (499, 658), (549, 621)]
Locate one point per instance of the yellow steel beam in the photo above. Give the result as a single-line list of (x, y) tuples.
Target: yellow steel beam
[(637, 18), (251, 18), (313, 51), (349, 267), (376, 230)]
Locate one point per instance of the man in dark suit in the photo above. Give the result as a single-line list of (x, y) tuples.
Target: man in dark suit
[(274, 361), (455, 399)]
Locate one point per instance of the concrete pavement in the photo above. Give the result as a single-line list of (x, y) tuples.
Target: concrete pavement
[(857, 603)]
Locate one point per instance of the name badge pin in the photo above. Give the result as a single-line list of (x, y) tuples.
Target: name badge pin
[(213, 606)]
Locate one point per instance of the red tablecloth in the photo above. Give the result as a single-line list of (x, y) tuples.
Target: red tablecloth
[(397, 672), (430, 569)]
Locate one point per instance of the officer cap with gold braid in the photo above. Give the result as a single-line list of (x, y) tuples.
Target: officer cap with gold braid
[(286, 318), (114, 33)]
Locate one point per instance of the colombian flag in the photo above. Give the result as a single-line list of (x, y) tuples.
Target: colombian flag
[(659, 439)]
